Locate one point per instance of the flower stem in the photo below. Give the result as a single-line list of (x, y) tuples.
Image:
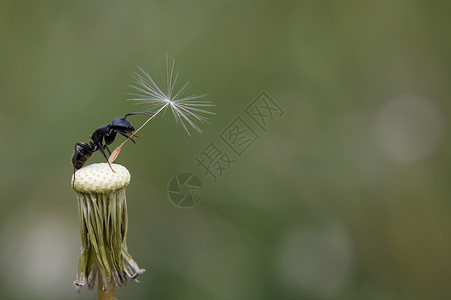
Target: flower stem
[(108, 295)]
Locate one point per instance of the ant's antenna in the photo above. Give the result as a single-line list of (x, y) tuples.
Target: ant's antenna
[(150, 114)]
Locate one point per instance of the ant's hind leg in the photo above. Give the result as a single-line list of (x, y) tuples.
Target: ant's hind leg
[(73, 179)]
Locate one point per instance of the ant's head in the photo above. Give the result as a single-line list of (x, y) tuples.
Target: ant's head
[(122, 125)]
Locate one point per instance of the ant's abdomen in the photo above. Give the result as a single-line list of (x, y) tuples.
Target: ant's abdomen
[(80, 156)]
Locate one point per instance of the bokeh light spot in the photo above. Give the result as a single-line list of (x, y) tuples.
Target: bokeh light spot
[(409, 128)]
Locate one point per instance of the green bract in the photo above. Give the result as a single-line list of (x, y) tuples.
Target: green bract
[(103, 226)]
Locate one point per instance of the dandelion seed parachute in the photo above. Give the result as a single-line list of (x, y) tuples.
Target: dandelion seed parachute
[(188, 111)]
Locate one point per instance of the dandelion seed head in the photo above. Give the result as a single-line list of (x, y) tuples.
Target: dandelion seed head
[(188, 111)]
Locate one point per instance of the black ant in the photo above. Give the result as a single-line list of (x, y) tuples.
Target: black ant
[(107, 133)]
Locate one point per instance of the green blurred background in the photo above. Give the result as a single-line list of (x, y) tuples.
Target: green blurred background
[(346, 196)]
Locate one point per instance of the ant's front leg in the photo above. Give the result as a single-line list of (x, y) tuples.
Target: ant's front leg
[(127, 136)]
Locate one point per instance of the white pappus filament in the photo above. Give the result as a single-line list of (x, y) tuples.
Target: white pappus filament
[(187, 110)]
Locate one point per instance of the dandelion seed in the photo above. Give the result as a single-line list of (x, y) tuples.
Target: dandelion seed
[(188, 111)]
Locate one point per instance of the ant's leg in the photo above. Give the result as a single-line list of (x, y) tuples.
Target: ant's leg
[(106, 147), (104, 154), (73, 180), (127, 136)]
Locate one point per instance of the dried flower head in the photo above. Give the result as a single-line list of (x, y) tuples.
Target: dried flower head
[(103, 227)]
